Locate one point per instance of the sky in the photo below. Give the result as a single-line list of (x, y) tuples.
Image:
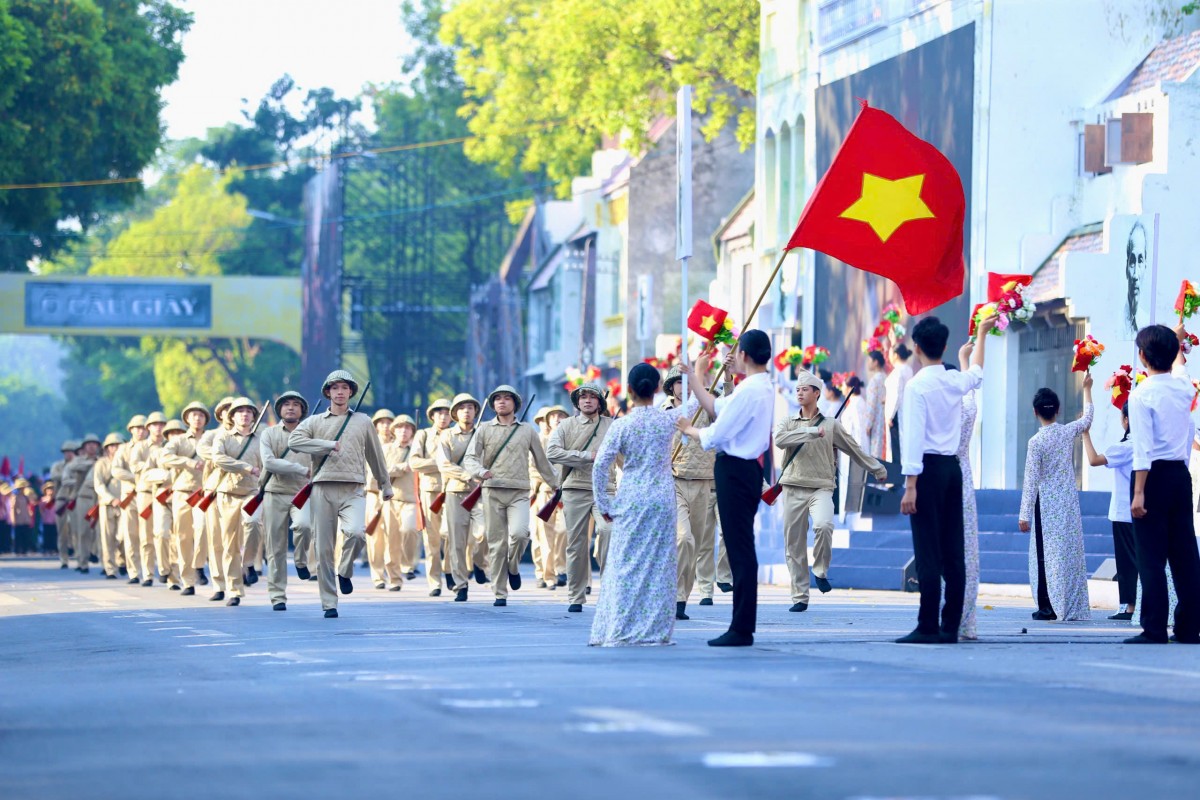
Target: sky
[(237, 48)]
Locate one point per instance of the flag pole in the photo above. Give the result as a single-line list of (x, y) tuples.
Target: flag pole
[(683, 212), (745, 325)]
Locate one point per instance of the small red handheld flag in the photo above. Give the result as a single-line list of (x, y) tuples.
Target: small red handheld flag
[(893, 205), (705, 319), (998, 280)]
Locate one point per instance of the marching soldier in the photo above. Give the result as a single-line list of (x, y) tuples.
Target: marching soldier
[(377, 545), (139, 462), (209, 547), (557, 530), (574, 444), (108, 495), (406, 513), (83, 495), (285, 472), (467, 552), (499, 456), (128, 520), (423, 460), (165, 539), (343, 445), (540, 550), (180, 454), (238, 458), (58, 477)]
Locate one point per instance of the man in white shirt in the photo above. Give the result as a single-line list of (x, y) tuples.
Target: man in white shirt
[(1161, 430), (740, 433), (930, 428)]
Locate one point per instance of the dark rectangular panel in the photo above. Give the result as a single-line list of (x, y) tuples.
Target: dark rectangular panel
[(117, 304)]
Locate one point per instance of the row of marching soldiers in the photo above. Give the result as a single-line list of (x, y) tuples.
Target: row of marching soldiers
[(179, 497)]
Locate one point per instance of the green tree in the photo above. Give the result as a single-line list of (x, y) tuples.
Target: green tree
[(79, 100), (31, 425), (547, 80)]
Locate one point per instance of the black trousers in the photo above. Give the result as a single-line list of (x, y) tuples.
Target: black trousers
[(739, 491), (937, 532), (49, 538), (1043, 592), (6, 542), (1126, 554), (1164, 536), (894, 433)]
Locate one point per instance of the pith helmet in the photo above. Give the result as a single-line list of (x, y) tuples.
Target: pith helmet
[(673, 375), (382, 413), (541, 413), (196, 407), (243, 402), (156, 416), (437, 405), (174, 426), (136, 421), (462, 398), (69, 446), (587, 387), (339, 375), (291, 396), (502, 389), (222, 406), (557, 410), (114, 438), (89, 437), (404, 419)]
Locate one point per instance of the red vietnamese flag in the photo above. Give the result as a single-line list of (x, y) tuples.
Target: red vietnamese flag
[(893, 205), (998, 280), (706, 320)]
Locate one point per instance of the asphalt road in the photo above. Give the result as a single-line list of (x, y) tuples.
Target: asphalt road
[(114, 691)]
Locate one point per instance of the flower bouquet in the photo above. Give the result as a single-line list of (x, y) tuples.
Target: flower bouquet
[(814, 355), (1120, 384), (575, 378), (1188, 301), (1011, 306), (1087, 354), (789, 357)]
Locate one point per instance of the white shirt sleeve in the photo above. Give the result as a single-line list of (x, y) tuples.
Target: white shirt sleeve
[(912, 427), (1141, 431)]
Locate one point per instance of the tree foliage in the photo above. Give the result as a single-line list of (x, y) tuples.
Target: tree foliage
[(546, 80), (79, 100)]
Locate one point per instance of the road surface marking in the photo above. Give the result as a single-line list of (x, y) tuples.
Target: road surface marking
[(1154, 670), (10, 600), (766, 759), (619, 720), (491, 703)]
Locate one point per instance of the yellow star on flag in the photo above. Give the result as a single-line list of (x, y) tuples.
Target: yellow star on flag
[(709, 322), (886, 205)]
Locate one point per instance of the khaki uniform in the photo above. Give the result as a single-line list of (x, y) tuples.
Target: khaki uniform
[(83, 492), (139, 463), (108, 495), (58, 474), (695, 513), (236, 456), (288, 472), (159, 477), (505, 450), (128, 519), (808, 485), (180, 455), (210, 548), (337, 496), (466, 531), (396, 540), (572, 444), (549, 537), (423, 461)]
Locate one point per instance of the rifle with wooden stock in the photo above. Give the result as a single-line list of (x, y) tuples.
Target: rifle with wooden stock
[(471, 499), (771, 495), (208, 499), (254, 502), (306, 491)]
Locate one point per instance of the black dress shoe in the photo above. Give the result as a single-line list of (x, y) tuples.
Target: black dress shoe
[(725, 587), (1185, 640), (575, 608), (93, 559), (302, 573), (732, 639), (63, 566), (679, 610), (395, 588), (514, 580), (381, 586), (449, 580), (175, 587), (1122, 615), (435, 592), (822, 583), (560, 579), (541, 584), (588, 590), (217, 596), (408, 576), (313, 578), (1044, 616), (331, 613), (279, 607), (706, 601), (162, 578), (345, 585), (948, 637), (84, 570), (918, 637), (461, 595), (147, 582), (234, 601), (480, 575), (251, 576), (1142, 638), (122, 571), (799, 607), (500, 602), (552, 586), (188, 592), (110, 577), (201, 578), (134, 581)]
